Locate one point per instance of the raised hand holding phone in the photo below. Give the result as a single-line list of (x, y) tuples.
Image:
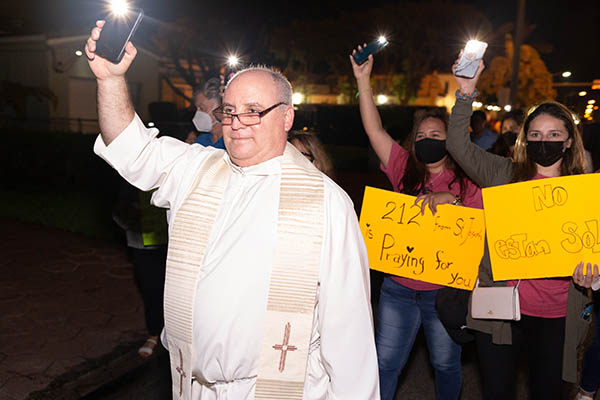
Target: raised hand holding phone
[(467, 85), (100, 66), (363, 53), (363, 70), (470, 58)]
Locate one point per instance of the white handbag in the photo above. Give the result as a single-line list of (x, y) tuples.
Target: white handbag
[(496, 302)]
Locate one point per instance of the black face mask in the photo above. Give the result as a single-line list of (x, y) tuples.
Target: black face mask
[(545, 153), (509, 138), (430, 151)]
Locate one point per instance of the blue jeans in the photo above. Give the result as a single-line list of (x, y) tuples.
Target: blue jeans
[(401, 312), (590, 379)]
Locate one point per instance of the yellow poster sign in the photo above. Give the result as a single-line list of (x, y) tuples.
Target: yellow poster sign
[(543, 228), (444, 248)]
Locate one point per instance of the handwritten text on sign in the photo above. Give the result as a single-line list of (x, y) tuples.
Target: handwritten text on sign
[(543, 228), (444, 248)]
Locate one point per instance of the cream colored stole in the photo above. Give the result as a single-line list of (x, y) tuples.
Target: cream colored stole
[(293, 283)]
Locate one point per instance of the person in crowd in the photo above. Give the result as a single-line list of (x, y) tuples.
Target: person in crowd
[(311, 147), (424, 170), (267, 282), (509, 129), (207, 98), (548, 145), (481, 135), (145, 229), (590, 379)]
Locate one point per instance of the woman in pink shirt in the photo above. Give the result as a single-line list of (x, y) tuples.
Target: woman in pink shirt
[(426, 171)]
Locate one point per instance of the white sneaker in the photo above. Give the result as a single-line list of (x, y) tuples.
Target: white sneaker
[(583, 396)]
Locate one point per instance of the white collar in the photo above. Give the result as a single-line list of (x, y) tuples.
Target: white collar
[(269, 167)]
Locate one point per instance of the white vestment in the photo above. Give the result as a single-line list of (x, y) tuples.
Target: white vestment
[(231, 295)]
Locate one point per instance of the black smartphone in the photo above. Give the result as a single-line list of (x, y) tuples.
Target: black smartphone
[(117, 31), (469, 61), (372, 48)]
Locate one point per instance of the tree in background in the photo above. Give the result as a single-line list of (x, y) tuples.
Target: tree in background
[(535, 82), (423, 36)]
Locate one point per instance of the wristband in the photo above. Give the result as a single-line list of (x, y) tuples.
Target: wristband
[(466, 96)]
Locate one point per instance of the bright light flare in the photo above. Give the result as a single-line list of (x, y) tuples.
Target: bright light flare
[(382, 40), (382, 99), (233, 61), (297, 98), (119, 7), (592, 101), (507, 108), (78, 53), (566, 74), (582, 93), (472, 45), (477, 105)]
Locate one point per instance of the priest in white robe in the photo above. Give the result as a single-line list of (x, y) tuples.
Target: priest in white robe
[(233, 271)]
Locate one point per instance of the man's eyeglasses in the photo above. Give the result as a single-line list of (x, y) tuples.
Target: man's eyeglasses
[(247, 118)]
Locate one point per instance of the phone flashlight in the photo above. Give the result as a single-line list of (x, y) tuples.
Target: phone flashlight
[(119, 7), (117, 31), (375, 46), (469, 60)]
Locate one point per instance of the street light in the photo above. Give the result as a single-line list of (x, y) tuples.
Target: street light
[(582, 93), (382, 99), (566, 74), (592, 101)]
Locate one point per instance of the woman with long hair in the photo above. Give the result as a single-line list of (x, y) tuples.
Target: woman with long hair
[(427, 171), (311, 147), (548, 145)]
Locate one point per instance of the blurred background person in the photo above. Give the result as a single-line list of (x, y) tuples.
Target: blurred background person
[(207, 97), (481, 135), (509, 129), (427, 171), (145, 229), (311, 147)]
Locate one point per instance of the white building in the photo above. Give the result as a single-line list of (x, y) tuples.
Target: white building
[(30, 65)]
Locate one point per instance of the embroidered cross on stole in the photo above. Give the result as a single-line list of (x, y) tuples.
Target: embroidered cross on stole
[(294, 277)]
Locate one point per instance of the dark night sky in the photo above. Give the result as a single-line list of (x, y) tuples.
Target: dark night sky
[(566, 33)]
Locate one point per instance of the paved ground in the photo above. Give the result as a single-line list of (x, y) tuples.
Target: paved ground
[(65, 302)]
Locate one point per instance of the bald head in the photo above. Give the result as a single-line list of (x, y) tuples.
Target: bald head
[(256, 91), (282, 86)]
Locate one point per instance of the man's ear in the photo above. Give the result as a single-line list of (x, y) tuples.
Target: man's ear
[(288, 118)]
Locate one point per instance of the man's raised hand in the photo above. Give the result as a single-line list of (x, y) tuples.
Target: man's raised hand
[(101, 67)]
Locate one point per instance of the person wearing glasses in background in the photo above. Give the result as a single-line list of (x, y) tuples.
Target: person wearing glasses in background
[(267, 283)]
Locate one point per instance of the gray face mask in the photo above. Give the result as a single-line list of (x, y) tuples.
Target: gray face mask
[(202, 121)]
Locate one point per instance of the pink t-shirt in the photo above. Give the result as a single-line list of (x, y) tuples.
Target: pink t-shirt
[(546, 298), (437, 183)]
